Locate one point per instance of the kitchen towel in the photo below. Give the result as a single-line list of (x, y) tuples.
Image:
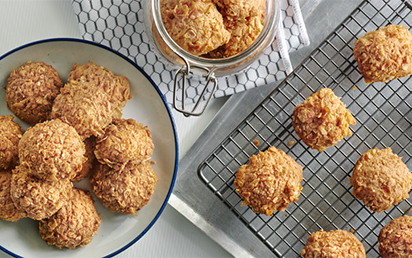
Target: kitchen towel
[(119, 24)]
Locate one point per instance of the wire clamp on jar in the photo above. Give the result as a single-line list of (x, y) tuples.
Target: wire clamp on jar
[(186, 71)]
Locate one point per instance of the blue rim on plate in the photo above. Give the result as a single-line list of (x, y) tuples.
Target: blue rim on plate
[(165, 105)]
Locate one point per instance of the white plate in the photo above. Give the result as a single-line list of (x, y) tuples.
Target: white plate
[(117, 231)]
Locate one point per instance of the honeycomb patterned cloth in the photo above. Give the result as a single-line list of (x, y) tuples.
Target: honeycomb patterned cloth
[(119, 24)]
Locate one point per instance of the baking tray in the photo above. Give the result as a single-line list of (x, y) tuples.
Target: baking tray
[(384, 117)]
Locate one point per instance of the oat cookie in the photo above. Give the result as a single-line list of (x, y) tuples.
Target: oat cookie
[(52, 150), (38, 198), (125, 191), (74, 224), (271, 181), (395, 239), (8, 211), (10, 134), (380, 179), (31, 90), (124, 140), (384, 54), (336, 244), (195, 25), (322, 120)]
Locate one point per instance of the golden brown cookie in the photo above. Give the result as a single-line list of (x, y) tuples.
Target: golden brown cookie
[(116, 87), (52, 150), (8, 211), (87, 167), (244, 19), (74, 224), (195, 25), (322, 120), (380, 179), (31, 90), (395, 239), (10, 134), (241, 9), (125, 191), (88, 111), (124, 140), (271, 181), (384, 54), (38, 198), (91, 99), (242, 35), (336, 244)]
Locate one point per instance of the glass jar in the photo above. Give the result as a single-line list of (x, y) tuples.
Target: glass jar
[(208, 68)]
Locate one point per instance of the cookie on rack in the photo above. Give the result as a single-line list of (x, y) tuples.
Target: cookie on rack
[(335, 243), (31, 90), (322, 120), (380, 179), (395, 239), (271, 181), (384, 54)]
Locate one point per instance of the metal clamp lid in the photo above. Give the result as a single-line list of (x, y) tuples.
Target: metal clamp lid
[(185, 71)]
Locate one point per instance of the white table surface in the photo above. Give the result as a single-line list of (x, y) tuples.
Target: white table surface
[(24, 21)]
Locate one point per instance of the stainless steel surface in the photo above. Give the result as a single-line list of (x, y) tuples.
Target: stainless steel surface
[(192, 197)]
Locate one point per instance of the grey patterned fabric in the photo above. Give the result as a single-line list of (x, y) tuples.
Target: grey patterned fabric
[(119, 25)]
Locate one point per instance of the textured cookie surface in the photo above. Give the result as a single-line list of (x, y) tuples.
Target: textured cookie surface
[(125, 191), (8, 211), (10, 134), (74, 224), (38, 198), (53, 150), (196, 26), (31, 91), (333, 244), (380, 179), (124, 140), (384, 54), (270, 181), (322, 120), (395, 239)]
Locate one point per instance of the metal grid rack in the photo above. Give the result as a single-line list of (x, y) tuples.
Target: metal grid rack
[(384, 117)]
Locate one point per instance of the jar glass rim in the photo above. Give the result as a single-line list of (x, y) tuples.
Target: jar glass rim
[(271, 25)]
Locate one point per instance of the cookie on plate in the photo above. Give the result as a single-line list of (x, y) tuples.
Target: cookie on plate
[(380, 179), (127, 190), (124, 140), (31, 90), (74, 224), (53, 150), (271, 181), (10, 134), (38, 198), (8, 211)]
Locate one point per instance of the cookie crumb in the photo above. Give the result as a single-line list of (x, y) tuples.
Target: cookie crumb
[(256, 143)]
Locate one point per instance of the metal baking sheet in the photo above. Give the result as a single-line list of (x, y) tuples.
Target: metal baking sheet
[(383, 114), (384, 118)]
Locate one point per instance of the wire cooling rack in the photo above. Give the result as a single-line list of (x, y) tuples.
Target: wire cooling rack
[(384, 117)]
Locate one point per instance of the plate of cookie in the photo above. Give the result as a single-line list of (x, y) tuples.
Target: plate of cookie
[(89, 150)]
